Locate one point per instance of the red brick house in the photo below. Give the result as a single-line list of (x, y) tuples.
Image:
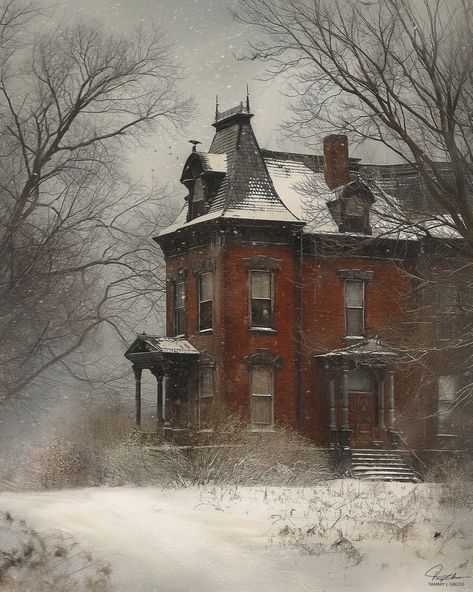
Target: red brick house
[(290, 297)]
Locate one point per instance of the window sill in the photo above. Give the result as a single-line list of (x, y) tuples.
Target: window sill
[(268, 429), (354, 337), (448, 436), (205, 331), (263, 330), (205, 431)]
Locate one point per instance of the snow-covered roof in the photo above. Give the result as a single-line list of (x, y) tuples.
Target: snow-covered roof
[(365, 348), (153, 344), (263, 185), (170, 345), (214, 163)]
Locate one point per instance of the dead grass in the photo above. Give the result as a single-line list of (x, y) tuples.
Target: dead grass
[(455, 476), (34, 562), (100, 449)]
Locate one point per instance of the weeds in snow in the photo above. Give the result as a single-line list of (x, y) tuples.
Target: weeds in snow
[(346, 517), (32, 562)]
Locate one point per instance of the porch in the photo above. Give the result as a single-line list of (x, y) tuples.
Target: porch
[(173, 362), (361, 395)]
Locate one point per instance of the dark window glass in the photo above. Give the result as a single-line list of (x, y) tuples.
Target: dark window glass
[(359, 381), (354, 308), (261, 299), (206, 391), (448, 389), (205, 301), (179, 308), (261, 396)]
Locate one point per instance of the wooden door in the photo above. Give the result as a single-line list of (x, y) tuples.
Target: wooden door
[(361, 419)]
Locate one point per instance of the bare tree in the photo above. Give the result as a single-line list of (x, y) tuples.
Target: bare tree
[(396, 72), (75, 249)]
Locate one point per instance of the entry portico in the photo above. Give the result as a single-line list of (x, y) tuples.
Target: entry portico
[(361, 394), (171, 360)]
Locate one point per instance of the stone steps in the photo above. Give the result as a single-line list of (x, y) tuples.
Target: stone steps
[(382, 465)]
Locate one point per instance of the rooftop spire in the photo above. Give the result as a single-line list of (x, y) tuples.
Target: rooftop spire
[(247, 99)]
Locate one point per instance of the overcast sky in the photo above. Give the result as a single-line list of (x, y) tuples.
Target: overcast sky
[(206, 41)]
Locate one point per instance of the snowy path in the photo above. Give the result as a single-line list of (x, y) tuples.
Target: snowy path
[(179, 541)]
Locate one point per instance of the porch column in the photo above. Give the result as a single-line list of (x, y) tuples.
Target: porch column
[(167, 431), (381, 384), (159, 400), (333, 412), (137, 372), (164, 393), (390, 399), (345, 418)]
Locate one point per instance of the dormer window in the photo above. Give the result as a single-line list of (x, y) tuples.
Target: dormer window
[(351, 209), (202, 176), (199, 191), (198, 198)]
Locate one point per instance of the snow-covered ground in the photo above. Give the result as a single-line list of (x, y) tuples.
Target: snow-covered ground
[(339, 536)]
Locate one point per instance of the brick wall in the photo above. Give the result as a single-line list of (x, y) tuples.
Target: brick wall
[(388, 295)]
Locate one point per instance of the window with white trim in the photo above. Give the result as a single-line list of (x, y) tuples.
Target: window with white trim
[(261, 299), (354, 308), (179, 308), (205, 301), (206, 393), (262, 397), (447, 390)]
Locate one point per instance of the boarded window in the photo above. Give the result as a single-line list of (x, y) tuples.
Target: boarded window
[(262, 396), (354, 308), (206, 392), (448, 388), (205, 301), (179, 308), (261, 286)]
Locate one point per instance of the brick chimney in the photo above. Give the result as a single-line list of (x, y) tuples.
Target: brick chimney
[(336, 160)]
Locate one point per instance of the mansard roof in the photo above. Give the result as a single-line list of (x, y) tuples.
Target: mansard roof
[(266, 185), (300, 182), (247, 190)]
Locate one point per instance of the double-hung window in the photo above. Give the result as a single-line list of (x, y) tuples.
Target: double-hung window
[(448, 388), (179, 308), (262, 395), (205, 301), (448, 298), (261, 299), (206, 391), (354, 308)]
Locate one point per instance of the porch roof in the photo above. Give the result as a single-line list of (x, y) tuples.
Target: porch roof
[(368, 349), (149, 349)]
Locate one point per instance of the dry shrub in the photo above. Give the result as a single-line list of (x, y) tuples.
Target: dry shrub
[(59, 464), (100, 450), (455, 475), (234, 453), (33, 562), (73, 457)]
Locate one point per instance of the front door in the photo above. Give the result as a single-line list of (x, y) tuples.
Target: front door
[(360, 416)]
